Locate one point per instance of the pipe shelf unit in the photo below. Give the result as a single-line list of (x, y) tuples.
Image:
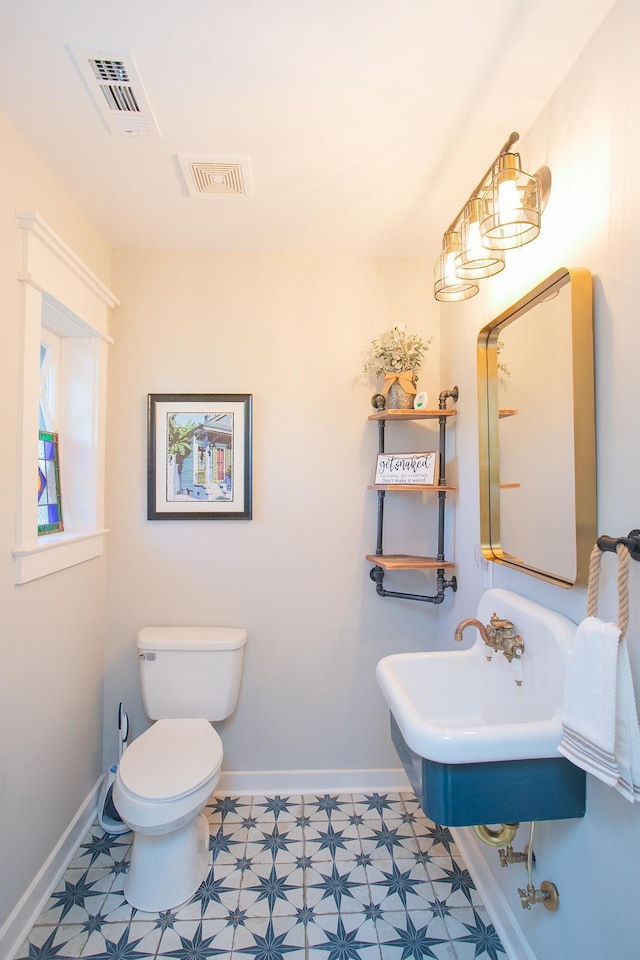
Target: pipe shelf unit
[(386, 562)]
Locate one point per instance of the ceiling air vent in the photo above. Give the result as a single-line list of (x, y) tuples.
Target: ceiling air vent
[(210, 178), (117, 91)]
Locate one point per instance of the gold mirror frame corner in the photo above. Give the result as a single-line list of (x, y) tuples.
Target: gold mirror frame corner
[(489, 414)]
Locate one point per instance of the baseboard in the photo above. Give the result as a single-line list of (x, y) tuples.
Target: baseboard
[(499, 909), (19, 922), (293, 782)]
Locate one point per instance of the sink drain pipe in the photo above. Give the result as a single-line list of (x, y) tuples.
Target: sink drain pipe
[(547, 895), (496, 838)]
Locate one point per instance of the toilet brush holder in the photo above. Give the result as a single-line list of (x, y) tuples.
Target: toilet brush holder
[(108, 816)]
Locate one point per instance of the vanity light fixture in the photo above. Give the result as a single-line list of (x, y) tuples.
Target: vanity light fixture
[(502, 213), (475, 261), (449, 285)]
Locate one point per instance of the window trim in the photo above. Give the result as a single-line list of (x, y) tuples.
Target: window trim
[(55, 282)]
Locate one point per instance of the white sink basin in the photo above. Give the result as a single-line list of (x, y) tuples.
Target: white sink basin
[(455, 707)]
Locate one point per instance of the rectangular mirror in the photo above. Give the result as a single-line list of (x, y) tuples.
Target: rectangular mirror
[(537, 431)]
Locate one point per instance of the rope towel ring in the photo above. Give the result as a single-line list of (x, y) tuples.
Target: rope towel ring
[(593, 589)]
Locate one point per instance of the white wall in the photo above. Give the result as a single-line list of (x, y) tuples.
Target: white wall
[(51, 643), (588, 135), (292, 331)]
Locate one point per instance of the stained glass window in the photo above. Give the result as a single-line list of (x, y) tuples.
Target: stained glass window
[(49, 504)]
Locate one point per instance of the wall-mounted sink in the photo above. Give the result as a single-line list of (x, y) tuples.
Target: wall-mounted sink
[(468, 734)]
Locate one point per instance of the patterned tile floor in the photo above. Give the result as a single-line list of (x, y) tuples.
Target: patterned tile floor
[(335, 877)]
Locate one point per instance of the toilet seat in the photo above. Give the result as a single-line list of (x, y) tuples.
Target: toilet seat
[(171, 760)]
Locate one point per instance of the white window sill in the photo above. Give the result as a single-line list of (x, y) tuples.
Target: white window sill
[(56, 552)]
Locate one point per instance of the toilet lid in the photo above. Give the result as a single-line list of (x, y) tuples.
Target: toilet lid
[(171, 759)]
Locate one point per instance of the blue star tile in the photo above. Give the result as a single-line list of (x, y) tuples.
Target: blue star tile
[(94, 922), (328, 807), (343, 843), (271, 946), (413, 941), (400, 883), (228, 808), (101, 849), (372, 911), (343, 944), (276, 844), (484, 938), (271, 889), (434, 838), (133, 943), (48, 949), (363, 859), (453, 885), (220, 844), (421, 856), (378, 802), (236, 918), (339, 888), (211, 891), (187, 941), (78, 889), (439, 908), (305, 915), (166, 919), (388, 838), (274, 808), (248, 823)]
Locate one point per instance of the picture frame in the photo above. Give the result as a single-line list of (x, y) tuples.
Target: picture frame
[(407, 469), (199, 456)]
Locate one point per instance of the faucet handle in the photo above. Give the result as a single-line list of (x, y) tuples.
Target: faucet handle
[(504, 627)]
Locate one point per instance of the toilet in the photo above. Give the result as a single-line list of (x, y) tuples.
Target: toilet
[(189, 677)]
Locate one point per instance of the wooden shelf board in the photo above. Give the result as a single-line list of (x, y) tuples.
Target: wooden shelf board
[(509, 486), (408, 486), (402, 561), (507, 413), (411, 414)]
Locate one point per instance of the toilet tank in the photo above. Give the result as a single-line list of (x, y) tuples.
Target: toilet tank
[(190, 671)]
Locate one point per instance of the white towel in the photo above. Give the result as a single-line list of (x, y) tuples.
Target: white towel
[(600, 723)]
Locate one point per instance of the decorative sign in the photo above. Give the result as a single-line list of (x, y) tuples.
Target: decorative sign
[(407, 468)]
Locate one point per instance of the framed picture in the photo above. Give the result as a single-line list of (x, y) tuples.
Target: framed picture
[(407, 468), (199, 456)]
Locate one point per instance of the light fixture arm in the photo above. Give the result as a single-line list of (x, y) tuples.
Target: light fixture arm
[(483, 181)]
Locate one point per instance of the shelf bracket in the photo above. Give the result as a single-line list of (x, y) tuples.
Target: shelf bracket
[(442, 584)]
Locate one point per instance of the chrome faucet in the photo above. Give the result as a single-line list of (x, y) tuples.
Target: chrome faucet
[(499, 635)]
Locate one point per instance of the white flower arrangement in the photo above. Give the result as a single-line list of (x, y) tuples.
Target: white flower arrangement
[(397, 351)]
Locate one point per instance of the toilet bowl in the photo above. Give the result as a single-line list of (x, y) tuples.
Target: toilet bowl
[(162, 784)]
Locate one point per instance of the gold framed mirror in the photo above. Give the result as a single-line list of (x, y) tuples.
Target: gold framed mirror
[(537, 431)]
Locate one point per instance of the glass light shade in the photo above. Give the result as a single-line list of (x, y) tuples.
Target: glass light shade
[(447, 285), (474, 260), (510, 210)]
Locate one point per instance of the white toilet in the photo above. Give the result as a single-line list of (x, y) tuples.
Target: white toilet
[(189, 676)]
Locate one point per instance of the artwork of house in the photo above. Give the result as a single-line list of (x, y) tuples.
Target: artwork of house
[(200, 456)]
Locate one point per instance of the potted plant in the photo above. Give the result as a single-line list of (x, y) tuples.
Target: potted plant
[(397, 356)]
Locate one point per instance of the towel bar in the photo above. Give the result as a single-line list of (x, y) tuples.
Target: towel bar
[(631, 542)]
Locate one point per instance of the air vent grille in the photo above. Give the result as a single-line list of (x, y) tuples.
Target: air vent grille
[(117, 91), (110, 70), (215, 178)]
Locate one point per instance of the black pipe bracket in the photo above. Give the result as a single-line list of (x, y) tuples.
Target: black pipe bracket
[(631, 542)]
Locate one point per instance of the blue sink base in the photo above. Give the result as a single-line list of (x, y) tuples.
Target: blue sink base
[(501, 791)]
